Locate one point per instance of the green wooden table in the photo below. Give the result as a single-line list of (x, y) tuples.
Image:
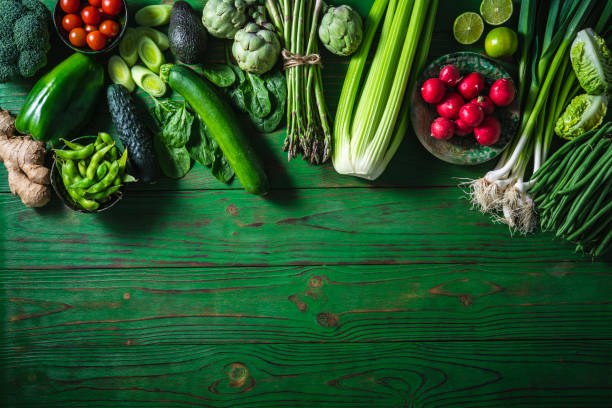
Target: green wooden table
[(331, 292)]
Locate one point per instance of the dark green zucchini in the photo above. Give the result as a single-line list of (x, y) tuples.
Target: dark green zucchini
[(223, 126), (133, 133)]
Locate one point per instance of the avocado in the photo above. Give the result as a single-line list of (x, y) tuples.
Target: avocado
[(187, 35), (133, 133)]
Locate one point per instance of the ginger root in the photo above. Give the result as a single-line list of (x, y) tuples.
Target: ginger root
[(24, 159)]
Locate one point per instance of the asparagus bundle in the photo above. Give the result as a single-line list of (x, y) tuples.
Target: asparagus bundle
[(308, 130)]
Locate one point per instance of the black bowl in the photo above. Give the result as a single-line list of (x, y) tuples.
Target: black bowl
[(59, 188), (58, 15)]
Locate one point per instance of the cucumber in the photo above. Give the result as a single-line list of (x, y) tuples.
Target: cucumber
[(133, 133), (128, 47), (222, 125), (119, 73), (159, 38), (153, 16), (148, 81), (150, 54)]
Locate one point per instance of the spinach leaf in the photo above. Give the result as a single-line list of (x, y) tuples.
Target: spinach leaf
[(203, 149), (174, 161), (174, 122), (221, 75), (238, 72), (257, 96), (277, 86)]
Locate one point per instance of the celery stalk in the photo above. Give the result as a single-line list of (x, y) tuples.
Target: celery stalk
[(367, 137)]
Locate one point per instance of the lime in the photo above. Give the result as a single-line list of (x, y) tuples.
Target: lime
[(496, 12), (468, 28), (501, 42)]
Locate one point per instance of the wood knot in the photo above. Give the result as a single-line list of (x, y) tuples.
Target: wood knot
[(466, 300), (232, 210), (301, 305), (239, 380), (127, 296), (237, 373), (315, 282), (327, 319)]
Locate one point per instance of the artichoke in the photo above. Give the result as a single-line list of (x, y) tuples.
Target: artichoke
[(341, 30), (256, 48), (223, 18)]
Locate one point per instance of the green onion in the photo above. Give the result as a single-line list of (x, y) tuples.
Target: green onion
[(544, 91), (367, 136)]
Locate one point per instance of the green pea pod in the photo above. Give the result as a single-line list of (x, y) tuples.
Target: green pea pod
[(106, 181), (95, 161), (76, 154), (123, 162), (101, 171), (83, 183), (104, 194), (72, 145), (82, 166), (106, 138), (113, 155), (84, 203)]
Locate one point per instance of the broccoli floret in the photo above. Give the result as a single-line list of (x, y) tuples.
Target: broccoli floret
[(8, 72), (30, 33), (38, 9), (31, 61), (10, 11), (8, 52), (24, 35)]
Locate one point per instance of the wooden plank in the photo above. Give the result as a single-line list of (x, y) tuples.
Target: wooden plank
[(435, 374), (290, 227), (305, 304)]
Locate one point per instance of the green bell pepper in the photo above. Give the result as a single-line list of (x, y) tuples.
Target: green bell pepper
[(63, 100)]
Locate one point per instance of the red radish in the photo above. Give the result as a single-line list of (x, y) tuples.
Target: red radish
[(450, 75), (488, 132), (461, 129), (450, 105), (433, 90), (471, 85), (502, 92), (442, 128), (485, 103), (471, 114)]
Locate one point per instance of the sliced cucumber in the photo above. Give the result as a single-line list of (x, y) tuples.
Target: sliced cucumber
[(119, 73), (153, 16), (157, 36), (150, 54), (128, 48), (148, 81)]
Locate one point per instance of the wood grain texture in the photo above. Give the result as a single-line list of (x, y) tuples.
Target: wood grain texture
[(332, 292), (290, 227), (416, 375), (305, 304)]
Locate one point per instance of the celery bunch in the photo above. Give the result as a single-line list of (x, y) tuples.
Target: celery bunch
[(371, 123)]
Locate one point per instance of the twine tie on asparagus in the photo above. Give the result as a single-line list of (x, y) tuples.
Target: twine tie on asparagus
[(293, 60)]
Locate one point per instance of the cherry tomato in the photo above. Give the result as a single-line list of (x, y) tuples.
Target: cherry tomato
[(96, 40), (95, 3), (71, 21), (70, 6), (112, 7), (89, 28), (90, 15), (109, 28), (77, 37)]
